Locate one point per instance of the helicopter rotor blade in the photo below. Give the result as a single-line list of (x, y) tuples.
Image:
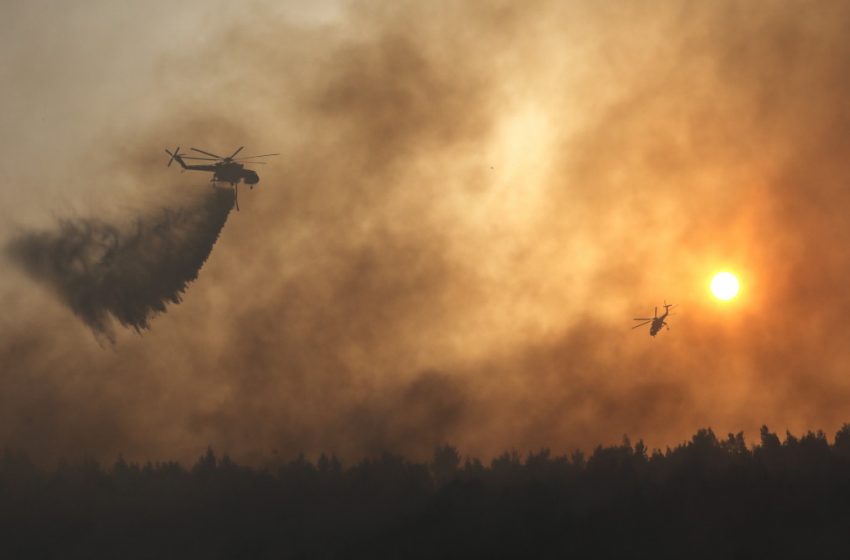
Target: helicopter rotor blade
[(201, 158), (641, 324), (233, 155), (251, 157), (207, 153), (643, 319)]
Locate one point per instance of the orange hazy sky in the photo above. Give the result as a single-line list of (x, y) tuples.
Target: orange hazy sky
[(472, 202)]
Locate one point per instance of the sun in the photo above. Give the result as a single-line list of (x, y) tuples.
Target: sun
[(724, 285)]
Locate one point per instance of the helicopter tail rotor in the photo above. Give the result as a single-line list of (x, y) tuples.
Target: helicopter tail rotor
[(173, 155)]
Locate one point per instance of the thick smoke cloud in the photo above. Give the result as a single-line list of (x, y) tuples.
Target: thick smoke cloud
[(473, 201), (130, 273)]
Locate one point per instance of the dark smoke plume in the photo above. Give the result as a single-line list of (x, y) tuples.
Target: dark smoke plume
[(131, 271)]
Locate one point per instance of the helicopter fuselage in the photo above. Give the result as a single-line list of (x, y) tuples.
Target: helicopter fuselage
[(229, 172), (658, 323)]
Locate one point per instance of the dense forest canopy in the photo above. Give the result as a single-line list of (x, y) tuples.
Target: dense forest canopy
[(711, 497)]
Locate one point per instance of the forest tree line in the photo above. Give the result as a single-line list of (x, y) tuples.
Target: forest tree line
[(709, 497)]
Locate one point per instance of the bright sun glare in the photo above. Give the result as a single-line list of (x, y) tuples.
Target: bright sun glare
[(724, 285)]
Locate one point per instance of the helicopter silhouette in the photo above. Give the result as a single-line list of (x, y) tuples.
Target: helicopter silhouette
[(228, 169), (657, 322)]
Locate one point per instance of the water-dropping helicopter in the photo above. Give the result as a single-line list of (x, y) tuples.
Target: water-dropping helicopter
[(228, 169), (658, 322)]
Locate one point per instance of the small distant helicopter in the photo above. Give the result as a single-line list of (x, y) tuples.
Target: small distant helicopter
[(657, 322), (225, 169)]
